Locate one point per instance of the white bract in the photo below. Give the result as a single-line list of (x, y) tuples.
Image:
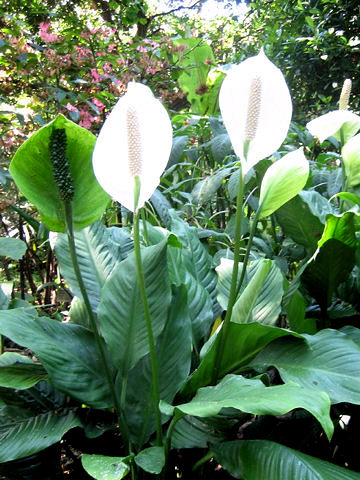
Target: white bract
[(329, 125), (256, 107), (135, 141)]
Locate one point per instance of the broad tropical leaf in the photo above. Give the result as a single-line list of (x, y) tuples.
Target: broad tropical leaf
[(68, 353), (328, 361), (20, 372), (151, 459), (120, 312), (12, 247), (30, 435), (252, 396), (262, 459), (102, 467), (301, 218), (244, 342), (99, 250), (331, 266), (174, 358)]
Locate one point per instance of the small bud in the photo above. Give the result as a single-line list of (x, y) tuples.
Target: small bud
[(345, 94), (62, 175)]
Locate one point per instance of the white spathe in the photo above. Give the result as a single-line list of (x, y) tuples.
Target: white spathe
[(135, 140), (254, 98), (329, 124)]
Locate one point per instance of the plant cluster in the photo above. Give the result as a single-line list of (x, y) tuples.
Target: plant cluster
[(211, 323)]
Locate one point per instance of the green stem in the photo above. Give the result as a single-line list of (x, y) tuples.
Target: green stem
[(248, 250), (178, 416), (93, 323), (232, 297), (202, 460), (152, 348)]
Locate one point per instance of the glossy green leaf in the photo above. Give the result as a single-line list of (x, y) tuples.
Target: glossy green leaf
[(120, 312), (243, 343), (295, 310), (5, 294), (303, 218), (32, 171), (282, 181), (99, 250), (174, 359), (205, 189), (331, 266), (102, 467), (12, 247), (151, 459), (67, 352), (198, 298), (30, 435), (262, 459), (261, 294), (243, 307), (329, 361), (341, 227), (194, 432), (20, 372), (252, 396), (351, 158)]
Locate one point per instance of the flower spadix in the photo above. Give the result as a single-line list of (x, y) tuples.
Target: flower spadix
[(256, 107), (133, 147)]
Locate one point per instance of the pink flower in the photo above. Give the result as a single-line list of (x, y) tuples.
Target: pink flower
[(45, 33), (95, 75), (139, 48), (107, 67), (71, 107), (111, 47), (86, 120), (98, 104)]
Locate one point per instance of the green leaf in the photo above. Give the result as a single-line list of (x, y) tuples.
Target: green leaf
[(351, 158), (243, 343), (262, 459), (5, 294), (68, 353), (302, 218), (330, 267), (252, 396), (329, 361), (193, 432), (205, 190), (178, 147), (341, 227), (195, 68), (243, 307), (295, 310), (31, 435), (12, 247), (32, 171), (151, 459), (174, 360), (105, 468), (99, 250), (282, 181), (20, 372), (120, 312)]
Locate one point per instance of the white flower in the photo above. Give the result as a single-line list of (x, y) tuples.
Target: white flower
[(329, 125), (256, 107), (135, 141)]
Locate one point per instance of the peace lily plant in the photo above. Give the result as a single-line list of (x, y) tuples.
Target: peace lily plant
[(138, 340)]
